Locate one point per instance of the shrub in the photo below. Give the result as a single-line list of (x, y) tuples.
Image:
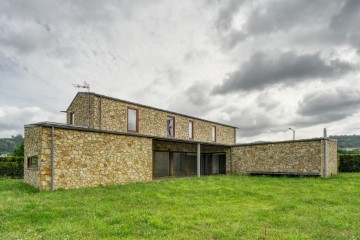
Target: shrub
[(12, 166), (349, 162)]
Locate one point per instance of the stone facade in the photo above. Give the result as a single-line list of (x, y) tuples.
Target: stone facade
[(33, 147), (111, 114), (295, 157), (87, 159)]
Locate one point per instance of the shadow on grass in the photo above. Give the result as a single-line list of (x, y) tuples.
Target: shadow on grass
[(15, 184)]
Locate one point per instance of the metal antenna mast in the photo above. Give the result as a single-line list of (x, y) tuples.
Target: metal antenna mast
[(85, 85)]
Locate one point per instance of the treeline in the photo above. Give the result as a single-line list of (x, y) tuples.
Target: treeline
[(8, 145), (347, 141)]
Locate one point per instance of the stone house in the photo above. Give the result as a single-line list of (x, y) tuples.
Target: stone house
[(111, 141)]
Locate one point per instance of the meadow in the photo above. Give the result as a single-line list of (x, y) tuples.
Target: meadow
[(216, 207)]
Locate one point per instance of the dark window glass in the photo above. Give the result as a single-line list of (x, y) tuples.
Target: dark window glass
[(161, 160), (192, 163), (170, 127), (179, 164), (32, 162)]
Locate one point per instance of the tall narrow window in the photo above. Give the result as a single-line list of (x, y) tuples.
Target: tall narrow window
[(72, 118), (214, 133), (133, 120), (191, 129), (170, 126)]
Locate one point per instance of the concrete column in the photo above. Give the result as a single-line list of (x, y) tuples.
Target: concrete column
[(198, 160)]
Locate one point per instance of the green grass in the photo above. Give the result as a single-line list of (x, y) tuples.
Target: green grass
[(219, 207)]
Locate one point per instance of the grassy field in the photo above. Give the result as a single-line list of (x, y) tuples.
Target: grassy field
[(220, 207)]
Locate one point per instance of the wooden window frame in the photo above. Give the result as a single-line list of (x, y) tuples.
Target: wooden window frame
[(192, 129), (213, 138), (167, 132), (137, 119)]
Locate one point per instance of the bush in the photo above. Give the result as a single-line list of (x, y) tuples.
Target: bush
[(12, 166), (349, 162)]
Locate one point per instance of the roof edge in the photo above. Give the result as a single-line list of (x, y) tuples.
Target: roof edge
[(81, 128), (287, 141), (146, 106)]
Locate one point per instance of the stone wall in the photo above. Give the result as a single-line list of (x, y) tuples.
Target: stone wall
[(80, 106), (332, 157), (89, 159), (32, 147), (152, 121), (302, 157)]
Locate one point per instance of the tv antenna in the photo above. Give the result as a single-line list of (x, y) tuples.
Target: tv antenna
[(84, 85)]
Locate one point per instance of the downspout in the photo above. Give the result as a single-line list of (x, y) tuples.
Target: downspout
[(52, 158), (100, 114), (89, 110), (326, 159)]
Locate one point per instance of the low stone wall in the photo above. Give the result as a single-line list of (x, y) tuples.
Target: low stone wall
[(298, 157), (89, 159)]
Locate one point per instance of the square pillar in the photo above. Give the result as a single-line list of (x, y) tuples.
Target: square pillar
[(198, 160)]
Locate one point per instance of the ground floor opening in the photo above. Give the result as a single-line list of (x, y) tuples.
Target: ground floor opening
[(177, 164)]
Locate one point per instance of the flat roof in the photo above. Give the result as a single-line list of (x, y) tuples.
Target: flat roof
[(287, 141), (81, 128), (146, 106)]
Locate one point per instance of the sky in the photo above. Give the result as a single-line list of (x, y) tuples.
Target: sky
[(263, 66)]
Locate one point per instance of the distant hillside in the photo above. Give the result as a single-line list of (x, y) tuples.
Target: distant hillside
[(9, 144), (347, 141)]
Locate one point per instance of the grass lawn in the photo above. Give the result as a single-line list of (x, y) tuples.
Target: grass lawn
[(219, 207)]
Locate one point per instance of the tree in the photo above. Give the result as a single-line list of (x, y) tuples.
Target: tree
[(19, 151)]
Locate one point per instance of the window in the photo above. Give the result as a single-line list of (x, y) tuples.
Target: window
[(133, 120), (214, 133), (171, 126), (72, 118), (191, 129), (32, 162), (161, 164)]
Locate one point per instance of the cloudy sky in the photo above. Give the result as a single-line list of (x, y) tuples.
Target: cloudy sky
[(263, 66)]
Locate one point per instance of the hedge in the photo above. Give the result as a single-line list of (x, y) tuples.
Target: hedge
[(349, 162), (12, 166)]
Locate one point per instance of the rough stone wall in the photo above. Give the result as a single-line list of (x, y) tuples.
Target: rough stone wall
[(192, 148), (80, 106), (89, 159), (32, 147), (284, 157), (151, 121), (332, 157)]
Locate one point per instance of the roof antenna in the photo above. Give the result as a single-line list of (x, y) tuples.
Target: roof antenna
[(85, 85)]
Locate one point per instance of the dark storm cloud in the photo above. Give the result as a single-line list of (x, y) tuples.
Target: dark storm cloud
[(269, 17), (326, 107), (346, 23), (344, 101), (284, 15), (287, 69)]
